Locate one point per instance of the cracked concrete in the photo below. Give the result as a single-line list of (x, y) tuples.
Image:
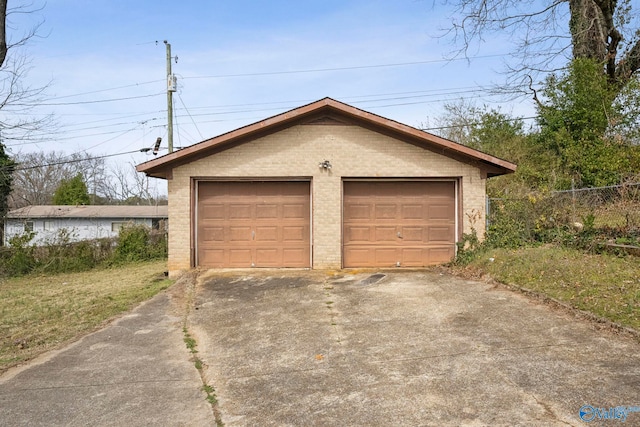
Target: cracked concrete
[(312, 348), (410, 348)]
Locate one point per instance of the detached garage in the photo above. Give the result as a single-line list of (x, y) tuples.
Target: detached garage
[(325, 185)]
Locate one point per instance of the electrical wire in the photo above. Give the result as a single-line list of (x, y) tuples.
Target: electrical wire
[(99, 101), (64, 162), (190, 116), (355, 67), (106, 90)]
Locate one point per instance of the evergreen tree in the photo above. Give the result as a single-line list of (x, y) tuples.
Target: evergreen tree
[(6, 177), (72, 192)]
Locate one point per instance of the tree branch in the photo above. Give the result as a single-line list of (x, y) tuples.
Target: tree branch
[(628, 64)]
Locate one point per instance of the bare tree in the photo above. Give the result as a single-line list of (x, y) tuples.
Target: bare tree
[(17, 101), (38, 174), (127, 186), (544, 31)]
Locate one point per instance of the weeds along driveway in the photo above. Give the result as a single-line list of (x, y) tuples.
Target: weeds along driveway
[(402, 348)]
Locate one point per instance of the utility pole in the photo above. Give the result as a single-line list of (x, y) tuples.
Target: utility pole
[(171, 87)]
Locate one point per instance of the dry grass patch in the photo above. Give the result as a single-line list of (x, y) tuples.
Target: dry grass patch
[(605, 285), (41, 312)]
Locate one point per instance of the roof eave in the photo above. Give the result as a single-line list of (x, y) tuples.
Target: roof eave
[(162, 167)]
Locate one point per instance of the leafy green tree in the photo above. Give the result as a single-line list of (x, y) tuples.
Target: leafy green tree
[(582, 120), (72, 192), (501, 135), (6, 178)]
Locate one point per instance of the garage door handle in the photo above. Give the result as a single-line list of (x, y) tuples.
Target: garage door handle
[(253, 235), (399, 235)]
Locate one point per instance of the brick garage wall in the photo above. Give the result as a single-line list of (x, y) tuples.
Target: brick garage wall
[(353, 152)]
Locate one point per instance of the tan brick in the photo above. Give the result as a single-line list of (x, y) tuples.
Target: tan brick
[(296, 152)]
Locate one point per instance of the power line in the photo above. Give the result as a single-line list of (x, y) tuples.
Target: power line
[(58, 104), (64, 162), (106, 90), (190, 116), (355, 67)]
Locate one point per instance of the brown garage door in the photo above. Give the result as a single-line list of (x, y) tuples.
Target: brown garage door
[(253, 224), (407, 224)]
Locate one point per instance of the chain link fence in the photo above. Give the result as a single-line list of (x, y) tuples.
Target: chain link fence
[(610, 214), (616, 206)]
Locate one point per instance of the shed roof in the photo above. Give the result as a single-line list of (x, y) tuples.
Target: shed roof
[(93, 211), (326, 108)]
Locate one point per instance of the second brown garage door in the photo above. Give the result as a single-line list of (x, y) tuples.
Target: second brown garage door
[(398, 223), (253, 224)]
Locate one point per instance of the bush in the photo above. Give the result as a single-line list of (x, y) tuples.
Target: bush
[(139, 243), (558, 219), (468, 248), (61, 255), (19, 258)]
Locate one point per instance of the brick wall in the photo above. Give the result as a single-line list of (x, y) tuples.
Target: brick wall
[(353, 152)]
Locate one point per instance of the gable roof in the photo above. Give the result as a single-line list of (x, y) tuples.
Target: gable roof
[(93, 211), (323, 111)]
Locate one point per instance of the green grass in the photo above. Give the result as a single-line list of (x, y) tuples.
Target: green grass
[(605, 285), (41, 312)]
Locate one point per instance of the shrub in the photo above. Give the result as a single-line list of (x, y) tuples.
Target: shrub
[(138, 243), (19, 258), (60, 254)]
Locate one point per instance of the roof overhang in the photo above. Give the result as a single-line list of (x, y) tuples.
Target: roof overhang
[(89, 211), (162, 166)]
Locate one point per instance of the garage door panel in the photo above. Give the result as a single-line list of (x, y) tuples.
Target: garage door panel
[(213, 234), (353, 211), (215, 211), (294, 234), (440, 255), (267, 257), (239, 257), (413, 211), (266, 234), (405, 223), (412, 257), (385, 257), (440, 189), (440, 212), (253, 224), (237, 211), (267, 211), (386, 211), (441, 234), (295, 257), (291, 189), (358, 234), (385, 234), (239, 234), (360, 256), (413, 234), (383, 189), (216, 257)]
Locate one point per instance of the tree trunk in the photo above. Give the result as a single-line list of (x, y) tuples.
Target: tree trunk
[(594, 35), (3, 31), (588, 30)]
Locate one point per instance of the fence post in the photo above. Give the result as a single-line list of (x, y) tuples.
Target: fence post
[(573, 200), (487, 212)]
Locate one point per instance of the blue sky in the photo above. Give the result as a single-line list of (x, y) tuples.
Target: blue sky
[(240, 61)]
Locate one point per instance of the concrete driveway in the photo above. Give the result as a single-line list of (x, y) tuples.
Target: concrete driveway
[(404, 349)]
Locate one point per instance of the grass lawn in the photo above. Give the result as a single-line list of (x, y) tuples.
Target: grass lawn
[(605, 285), (39, 313)]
